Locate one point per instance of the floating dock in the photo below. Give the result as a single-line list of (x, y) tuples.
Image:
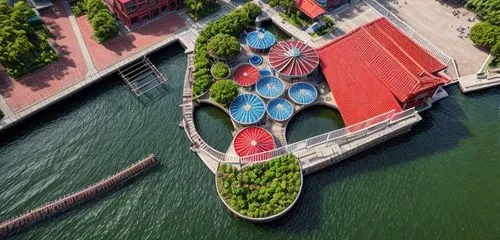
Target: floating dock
[(70, 201)]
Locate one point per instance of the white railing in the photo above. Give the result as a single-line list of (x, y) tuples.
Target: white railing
[(422, 41), (337, 136)]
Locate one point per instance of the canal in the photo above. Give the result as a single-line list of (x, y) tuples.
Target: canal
[(442, 180)]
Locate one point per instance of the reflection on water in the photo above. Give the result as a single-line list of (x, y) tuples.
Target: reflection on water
[(313, 121), (214, 126)]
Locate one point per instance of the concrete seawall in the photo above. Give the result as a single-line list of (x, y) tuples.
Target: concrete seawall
[(67, 202)]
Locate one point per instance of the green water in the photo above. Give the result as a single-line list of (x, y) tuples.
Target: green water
[(441, 181), (323, 119), (278, 33)]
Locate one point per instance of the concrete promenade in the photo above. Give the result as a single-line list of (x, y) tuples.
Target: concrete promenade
[(186, 38)]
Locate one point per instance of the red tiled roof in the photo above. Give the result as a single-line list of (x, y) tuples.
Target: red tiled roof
[(310, 8), (375, 65)]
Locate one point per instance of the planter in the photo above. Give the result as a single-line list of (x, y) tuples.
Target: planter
[(260, 219), (217, 77)]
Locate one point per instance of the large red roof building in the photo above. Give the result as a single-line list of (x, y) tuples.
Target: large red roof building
[(377, 68), (136, 12)]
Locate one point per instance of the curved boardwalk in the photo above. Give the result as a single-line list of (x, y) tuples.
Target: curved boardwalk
[(67, 202)]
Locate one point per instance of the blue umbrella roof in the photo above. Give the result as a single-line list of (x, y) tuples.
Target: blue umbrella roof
[(303, 93), (260, 39), (247, 109), (279, 109), (270, 87), (265, 72)]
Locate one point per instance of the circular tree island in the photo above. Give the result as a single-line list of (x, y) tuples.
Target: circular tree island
[(260, 192), (223, 91), (220, 70), (223, 46)]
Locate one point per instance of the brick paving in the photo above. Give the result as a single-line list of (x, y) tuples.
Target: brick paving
[(119, 48), (45, 82)]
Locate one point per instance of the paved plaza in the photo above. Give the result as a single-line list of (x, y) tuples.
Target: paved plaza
[(70, 67), (435, 20), (117, 49)]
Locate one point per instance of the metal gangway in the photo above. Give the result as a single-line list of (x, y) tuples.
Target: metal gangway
[(142, 76)]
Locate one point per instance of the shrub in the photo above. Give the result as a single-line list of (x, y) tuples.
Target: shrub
[(202, 84), (1, 115), (220, 70), (263, 189), (79, 9), (483, 34), (93, 7), (233, 24), (223, 91), (223, 46), (495, 50), (104, 26)]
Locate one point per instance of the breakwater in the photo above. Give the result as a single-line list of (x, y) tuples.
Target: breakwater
[(69, 201)]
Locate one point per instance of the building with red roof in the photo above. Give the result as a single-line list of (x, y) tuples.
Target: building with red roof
[(136, 12), (376, 68), (310, 8)]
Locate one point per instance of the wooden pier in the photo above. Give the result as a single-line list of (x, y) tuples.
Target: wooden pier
[(70, 201)]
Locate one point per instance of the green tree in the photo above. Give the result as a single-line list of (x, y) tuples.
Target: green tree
[(93, 7), (223, 46), (220, 70), (104, 26), (483, 34), (201, 85), (223, 91), (495, 50), (1, 115)]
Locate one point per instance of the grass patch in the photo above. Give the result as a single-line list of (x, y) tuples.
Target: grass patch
[(298, 19)]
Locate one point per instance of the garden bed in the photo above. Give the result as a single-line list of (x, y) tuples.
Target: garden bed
[(263, 191)]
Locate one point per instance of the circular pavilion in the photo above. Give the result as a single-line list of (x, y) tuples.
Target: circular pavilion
[(247, 109), (253, 140), (279, 109), (270, 87), (246, 75), (293, 60), (260, 40), (303, 93), (265, 72)]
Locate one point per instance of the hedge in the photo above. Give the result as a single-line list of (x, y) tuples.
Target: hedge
[(233, 24)]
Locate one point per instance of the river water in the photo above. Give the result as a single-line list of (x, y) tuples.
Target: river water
[(442, 180)]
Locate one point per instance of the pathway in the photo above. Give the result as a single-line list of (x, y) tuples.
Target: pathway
[(83, 48)]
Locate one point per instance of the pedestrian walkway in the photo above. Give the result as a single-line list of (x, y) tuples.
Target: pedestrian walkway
[(83, 48)]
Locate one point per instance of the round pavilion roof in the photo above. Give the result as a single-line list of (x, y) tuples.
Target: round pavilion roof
[(293, 58), (303, 93), (265, 72), (246, 75), (260, 39), (270, 87), (247, 109), (279, 109), (253, 140)]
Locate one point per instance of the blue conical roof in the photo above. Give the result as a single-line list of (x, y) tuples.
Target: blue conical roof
[(260, 39), (270, 87), (279, 109), (303, 93), (247, 109)]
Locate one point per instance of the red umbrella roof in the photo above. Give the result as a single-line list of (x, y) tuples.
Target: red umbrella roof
[(293, 58), (246, 75), (253, 140)]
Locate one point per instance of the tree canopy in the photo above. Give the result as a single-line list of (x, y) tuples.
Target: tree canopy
[(200, 8), (223, 46), (263, 189), (21, 49), (223, 91), (233, 24), (102, 21), (220, 70), (486, 33)]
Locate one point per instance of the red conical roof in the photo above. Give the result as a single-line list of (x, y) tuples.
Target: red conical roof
[(246, 75), (253, 140)]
